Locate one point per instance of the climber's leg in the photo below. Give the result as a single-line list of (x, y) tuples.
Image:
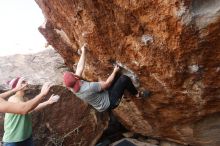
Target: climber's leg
[(117, 90)]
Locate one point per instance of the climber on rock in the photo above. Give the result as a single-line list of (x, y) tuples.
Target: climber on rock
[(103, 95)]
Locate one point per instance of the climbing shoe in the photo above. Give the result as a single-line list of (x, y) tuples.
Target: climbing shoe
[(143, 94)]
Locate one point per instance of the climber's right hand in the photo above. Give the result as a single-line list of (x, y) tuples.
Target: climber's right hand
[(84, 47), (116, 68)]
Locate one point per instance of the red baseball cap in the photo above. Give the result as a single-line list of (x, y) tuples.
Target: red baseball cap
[(13, 82), (71, 81)]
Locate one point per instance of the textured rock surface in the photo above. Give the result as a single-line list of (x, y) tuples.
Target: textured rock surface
[(46, 66), (172, 46), (70, 121)]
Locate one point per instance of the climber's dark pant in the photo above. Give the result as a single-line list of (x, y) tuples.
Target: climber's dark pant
[(117, 89)]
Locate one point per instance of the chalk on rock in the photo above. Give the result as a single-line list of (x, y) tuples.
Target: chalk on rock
[(146, 38), (128, 72), (193, 68)]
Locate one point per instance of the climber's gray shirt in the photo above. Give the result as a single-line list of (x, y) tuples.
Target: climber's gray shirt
[(90, 93)]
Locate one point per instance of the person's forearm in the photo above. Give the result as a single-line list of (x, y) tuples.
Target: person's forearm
[(81, 64), (33, 103), (42, 105), (20, 108), (7, 93), (110, 79)]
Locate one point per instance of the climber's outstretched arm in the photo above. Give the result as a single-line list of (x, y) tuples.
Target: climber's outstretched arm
[(81, 64), (106, 84)]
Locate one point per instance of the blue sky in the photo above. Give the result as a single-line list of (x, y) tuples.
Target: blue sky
[(19, 22)]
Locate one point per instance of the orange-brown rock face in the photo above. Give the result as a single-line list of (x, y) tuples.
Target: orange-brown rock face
[(172, 46)]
